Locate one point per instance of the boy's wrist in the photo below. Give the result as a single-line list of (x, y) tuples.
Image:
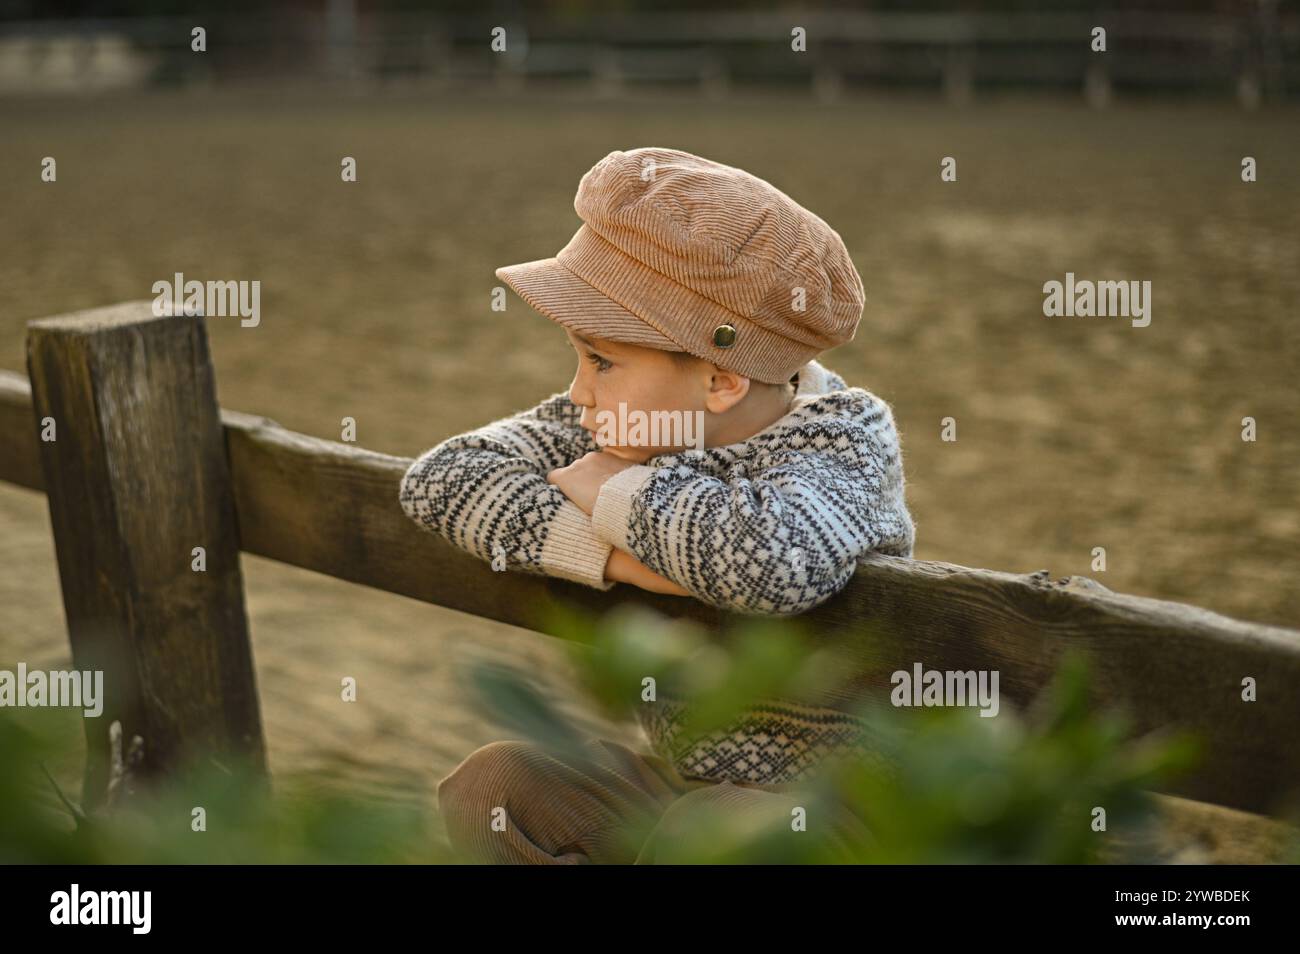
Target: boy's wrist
[(626, 568)]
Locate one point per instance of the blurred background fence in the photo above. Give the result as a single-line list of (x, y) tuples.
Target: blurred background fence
[(1246, 48)]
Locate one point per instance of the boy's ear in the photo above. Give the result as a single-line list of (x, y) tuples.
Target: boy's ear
[(726, 390)]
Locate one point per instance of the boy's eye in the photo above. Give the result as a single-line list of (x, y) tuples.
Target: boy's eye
[(600, 363)]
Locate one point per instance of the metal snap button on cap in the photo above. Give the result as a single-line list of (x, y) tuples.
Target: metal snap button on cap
[(724, 336)]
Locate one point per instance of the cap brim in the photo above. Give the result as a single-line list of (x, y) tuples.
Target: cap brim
[(566, 299)]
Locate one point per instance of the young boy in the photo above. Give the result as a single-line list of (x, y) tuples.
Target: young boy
[(694, 293)]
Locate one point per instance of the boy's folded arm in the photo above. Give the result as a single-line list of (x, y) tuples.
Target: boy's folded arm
[(549, 434), (486, 492), (777, 543)]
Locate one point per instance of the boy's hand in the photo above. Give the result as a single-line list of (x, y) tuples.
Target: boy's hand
[(623, 567), (581, 480)]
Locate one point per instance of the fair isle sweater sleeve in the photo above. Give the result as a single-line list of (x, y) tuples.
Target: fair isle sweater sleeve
[(776, 532), (486, 492)]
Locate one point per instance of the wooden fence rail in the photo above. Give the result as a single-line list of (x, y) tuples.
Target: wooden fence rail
[(134, 484)]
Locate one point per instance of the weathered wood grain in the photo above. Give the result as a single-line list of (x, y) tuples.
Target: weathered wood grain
[(136, 479)]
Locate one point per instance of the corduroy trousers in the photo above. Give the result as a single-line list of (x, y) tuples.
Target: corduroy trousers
[(516, 802)]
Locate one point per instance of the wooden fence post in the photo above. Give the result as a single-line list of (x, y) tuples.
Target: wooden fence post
[(137, 478)]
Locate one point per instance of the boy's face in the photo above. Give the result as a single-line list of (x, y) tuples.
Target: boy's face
[(645, 380)]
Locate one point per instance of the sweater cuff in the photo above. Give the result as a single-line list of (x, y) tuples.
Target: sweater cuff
[(613, 509), (572, 551)]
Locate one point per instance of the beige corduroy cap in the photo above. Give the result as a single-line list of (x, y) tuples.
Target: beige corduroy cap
[(684, 254)]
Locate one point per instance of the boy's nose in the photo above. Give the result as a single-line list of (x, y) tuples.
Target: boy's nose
[(579, 393), (584, 396)]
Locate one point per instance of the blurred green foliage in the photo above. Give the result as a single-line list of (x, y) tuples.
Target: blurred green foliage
[(926, 785), (246, 821), (932, 785)]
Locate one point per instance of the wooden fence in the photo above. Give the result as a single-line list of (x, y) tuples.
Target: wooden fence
[(143, 467)]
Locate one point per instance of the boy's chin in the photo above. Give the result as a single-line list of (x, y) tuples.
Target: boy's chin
[(637, 455), (634, 454)]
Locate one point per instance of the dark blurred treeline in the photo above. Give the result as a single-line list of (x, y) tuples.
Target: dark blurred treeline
[(53, 9), (1249, 49)]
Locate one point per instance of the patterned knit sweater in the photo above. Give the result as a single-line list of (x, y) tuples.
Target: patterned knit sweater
[(772, 525)]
